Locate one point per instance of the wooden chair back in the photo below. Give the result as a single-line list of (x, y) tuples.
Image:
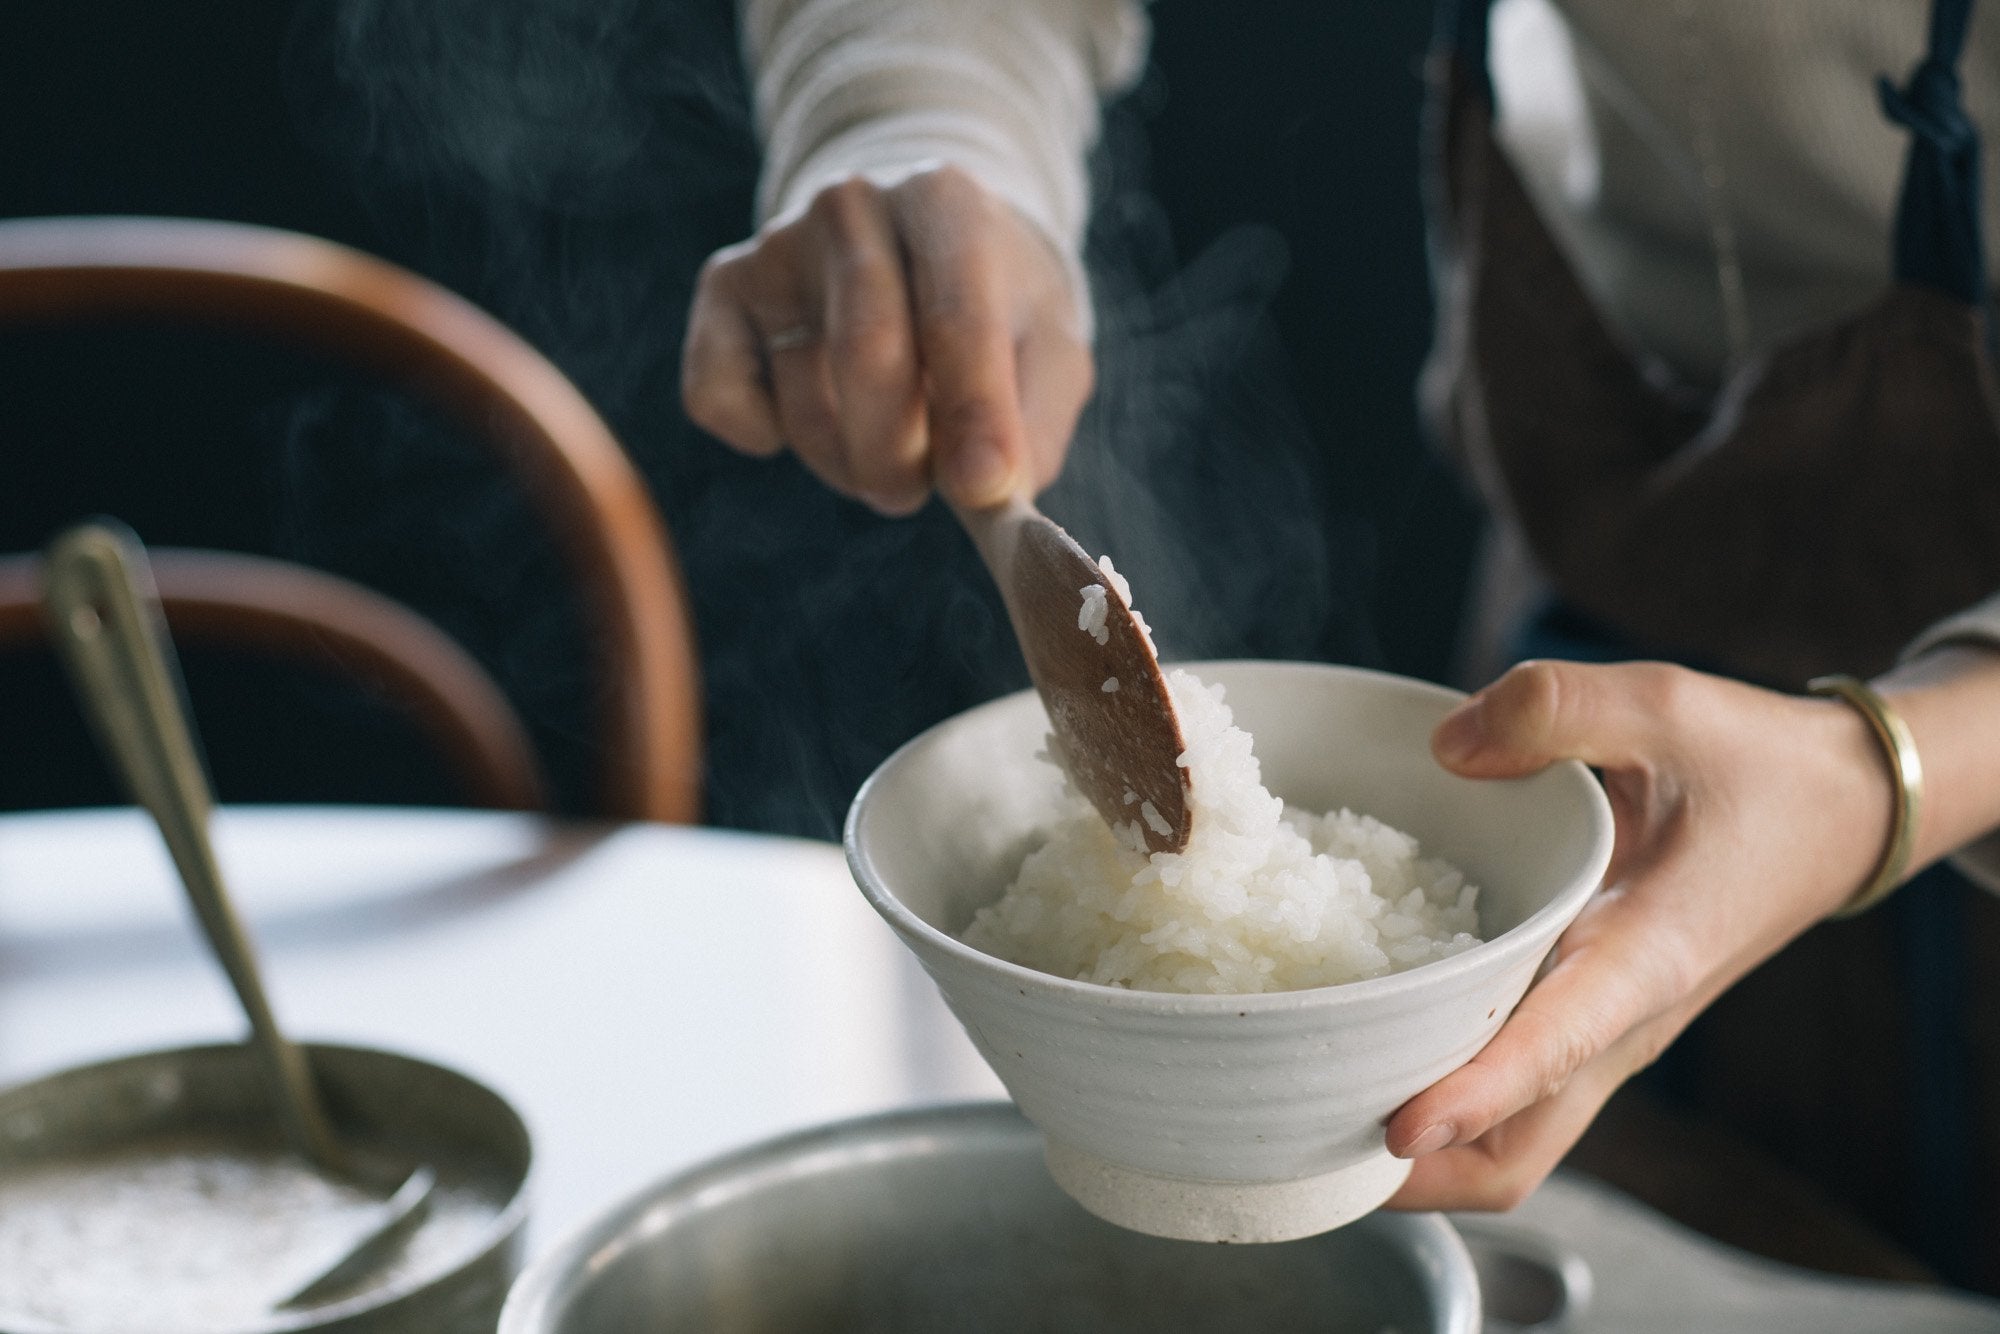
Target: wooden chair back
[(368, 313)]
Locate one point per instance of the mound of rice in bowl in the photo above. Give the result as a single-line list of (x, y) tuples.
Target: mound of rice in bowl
[(1265, 897)]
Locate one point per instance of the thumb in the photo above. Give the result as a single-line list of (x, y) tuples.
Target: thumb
[(978, 444), (965, 338), (1541, 712), (1055, 375)]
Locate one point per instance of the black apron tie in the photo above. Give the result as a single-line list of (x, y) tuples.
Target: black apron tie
[(1938, 238)]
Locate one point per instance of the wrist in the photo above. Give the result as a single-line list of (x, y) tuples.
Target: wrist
[(1856, 795), (1008, 92), (1904, 767)]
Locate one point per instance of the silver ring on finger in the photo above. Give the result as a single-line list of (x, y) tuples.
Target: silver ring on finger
[(791, 339)]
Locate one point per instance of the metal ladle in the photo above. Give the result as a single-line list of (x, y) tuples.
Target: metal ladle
[(105, 616)]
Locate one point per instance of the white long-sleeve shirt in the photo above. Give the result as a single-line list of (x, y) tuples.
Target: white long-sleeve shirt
[(1007, 90), (1660, 141)]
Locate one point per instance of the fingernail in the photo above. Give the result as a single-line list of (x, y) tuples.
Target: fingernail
[(1433, 1139), (1462, 732), (978, 474)]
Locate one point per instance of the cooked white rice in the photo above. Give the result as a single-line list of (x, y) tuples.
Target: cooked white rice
[(1092, 594), (1265, 898)]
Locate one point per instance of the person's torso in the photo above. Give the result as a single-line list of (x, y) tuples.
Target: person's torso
[(1661, 140)]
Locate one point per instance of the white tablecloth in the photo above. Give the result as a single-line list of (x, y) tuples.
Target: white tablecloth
[(651, 996), (647, 996)]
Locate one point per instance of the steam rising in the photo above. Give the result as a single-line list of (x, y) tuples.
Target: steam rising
[(568, 164)]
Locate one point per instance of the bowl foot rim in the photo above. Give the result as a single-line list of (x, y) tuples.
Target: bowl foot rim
[(1187, 1209)]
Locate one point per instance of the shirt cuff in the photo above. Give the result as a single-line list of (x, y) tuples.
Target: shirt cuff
[(1008, 92)]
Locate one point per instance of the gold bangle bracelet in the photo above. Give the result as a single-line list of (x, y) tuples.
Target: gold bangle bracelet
[(1906, 771)]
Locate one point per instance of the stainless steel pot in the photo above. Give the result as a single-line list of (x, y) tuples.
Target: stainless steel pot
[(946, 1219), (109, 1126)]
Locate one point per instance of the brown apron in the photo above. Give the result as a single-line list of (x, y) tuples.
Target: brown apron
[(1838, 495), (1841, 493)]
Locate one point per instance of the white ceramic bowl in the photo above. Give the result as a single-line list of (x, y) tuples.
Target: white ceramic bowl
[(1230, 1118)]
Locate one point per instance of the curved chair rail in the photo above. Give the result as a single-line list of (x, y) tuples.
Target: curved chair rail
[(367, 312), (287, 611)]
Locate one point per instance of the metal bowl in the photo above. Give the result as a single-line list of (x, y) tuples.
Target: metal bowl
[(104, 1131), (947, 1219)]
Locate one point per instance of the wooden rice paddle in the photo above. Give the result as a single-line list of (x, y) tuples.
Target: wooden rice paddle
[(1112, 742)]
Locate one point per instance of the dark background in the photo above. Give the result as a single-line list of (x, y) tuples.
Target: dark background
[(1252, 460)]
